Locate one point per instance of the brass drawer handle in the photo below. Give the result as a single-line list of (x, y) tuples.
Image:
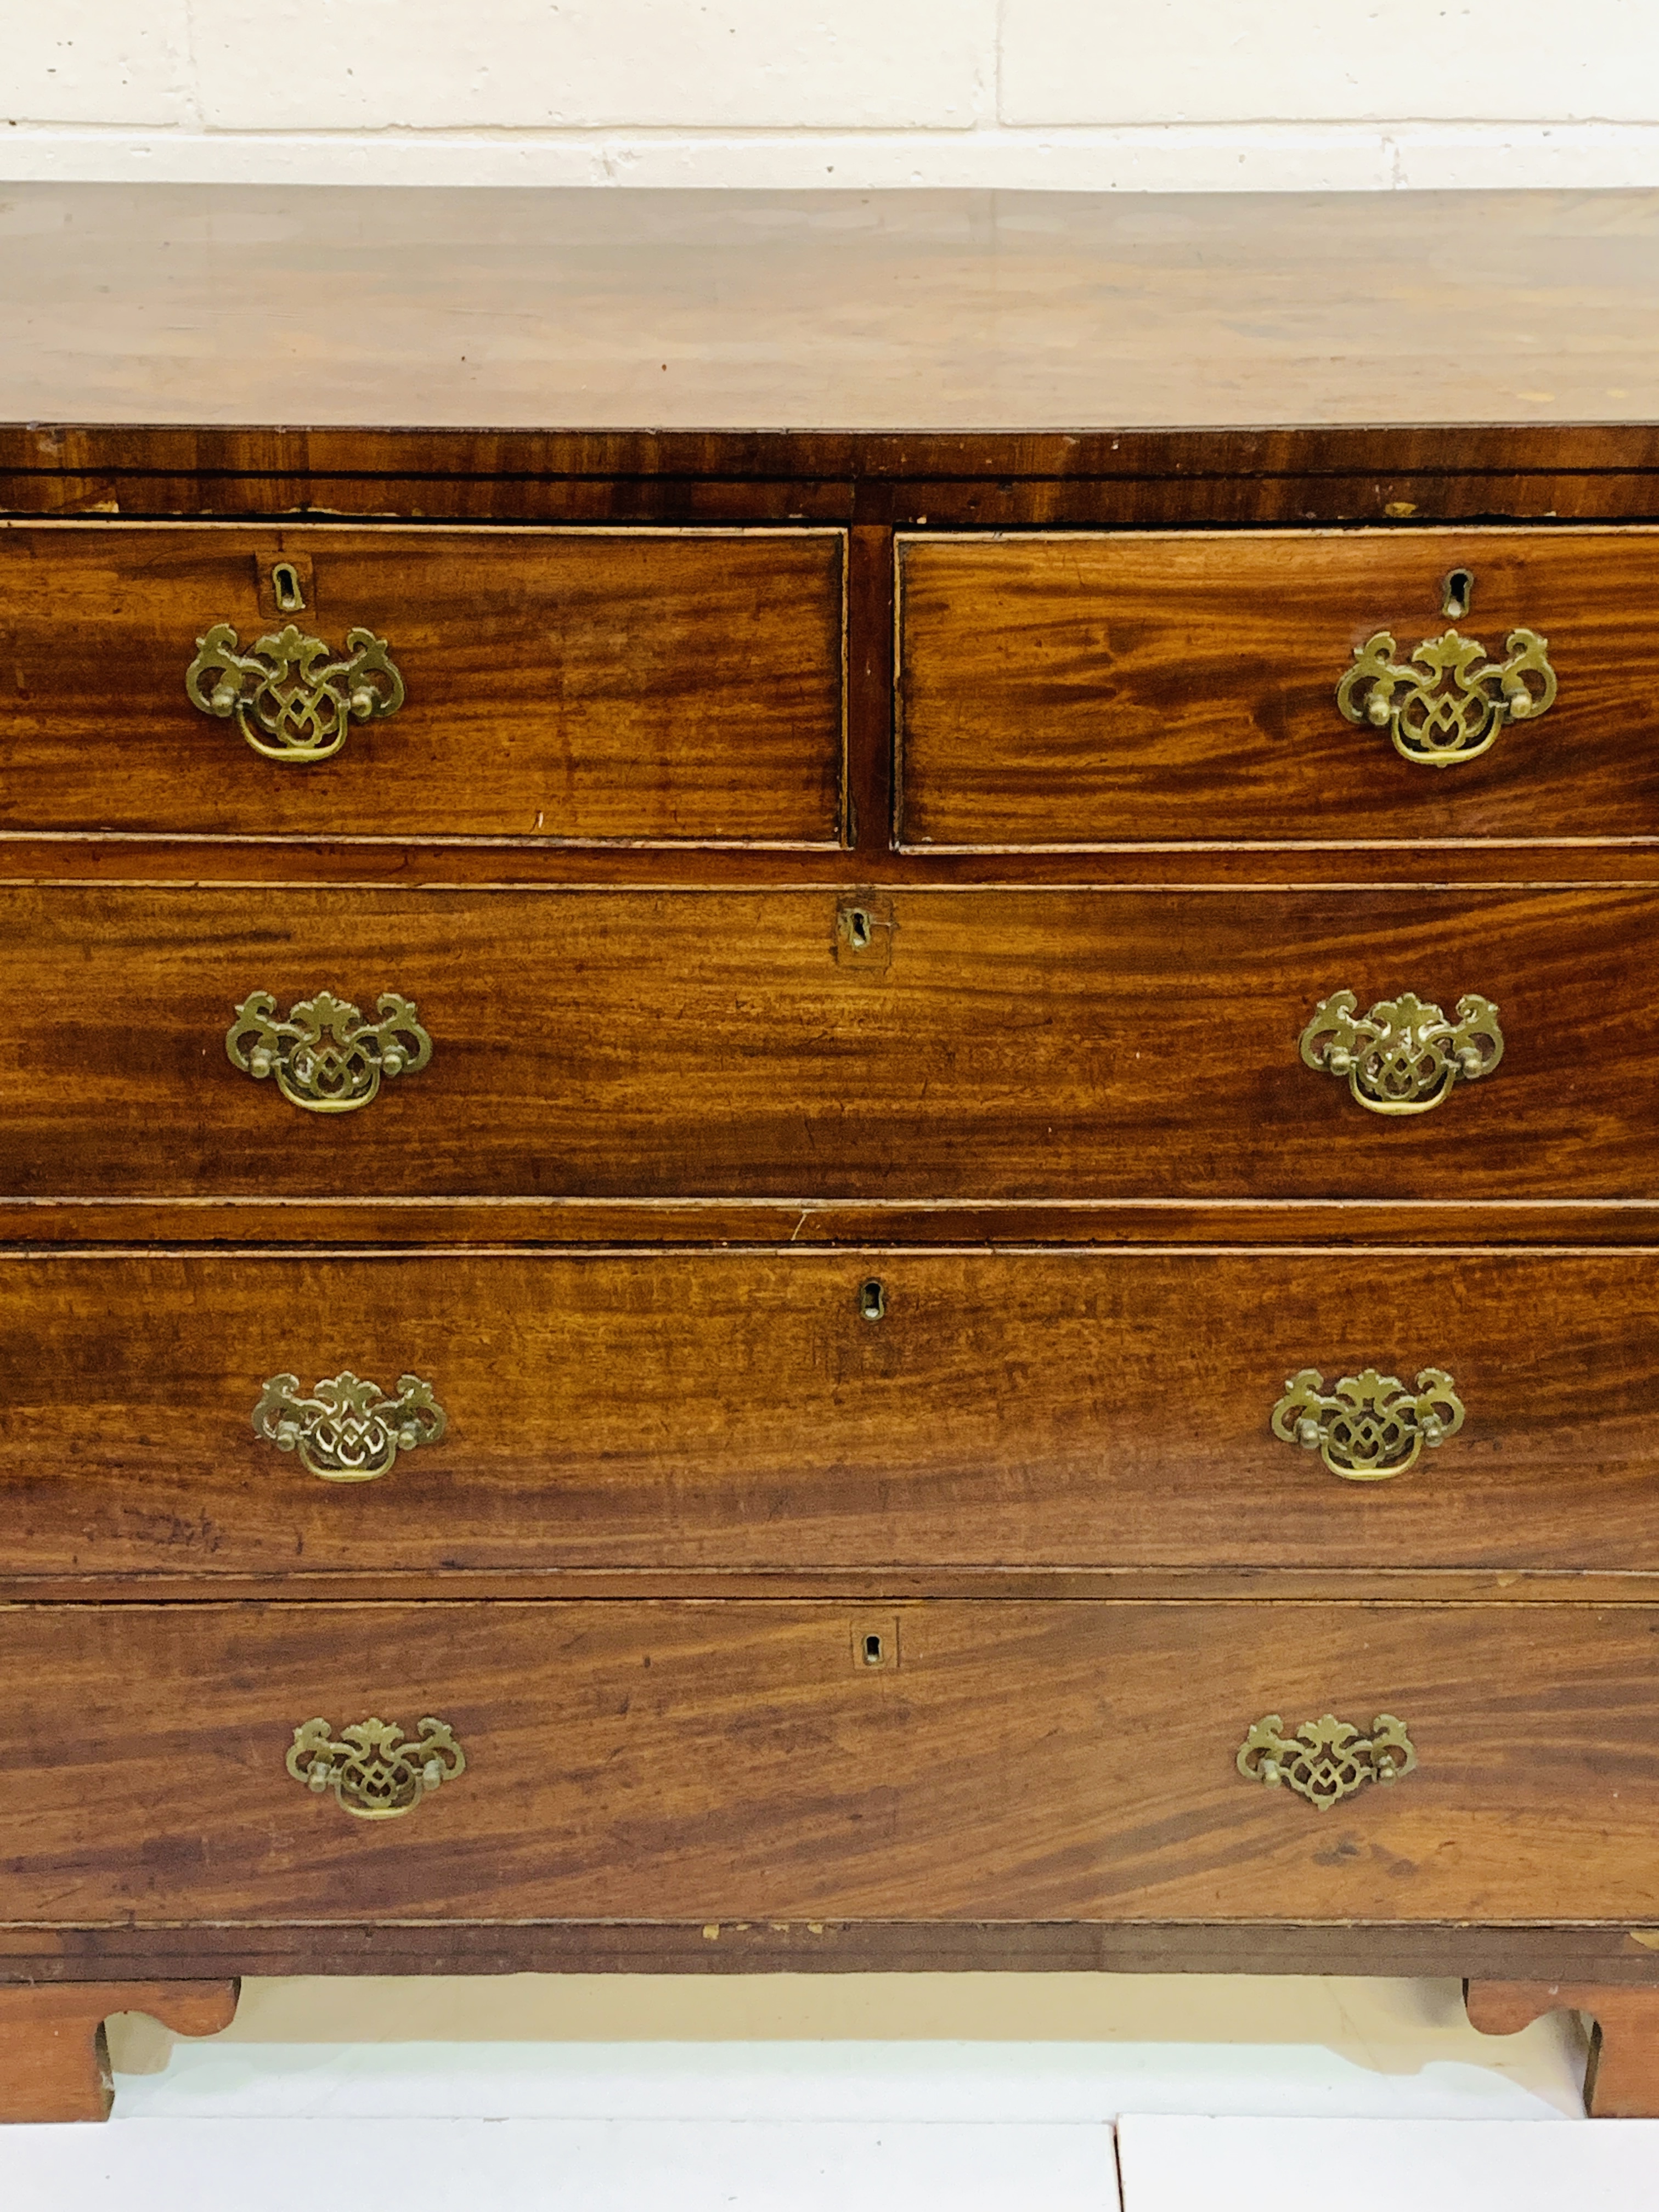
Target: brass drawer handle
[(1370, 1427), (1448, 703), (290, 701), (372, 1773), (1326, 1759), (326, 1057), (1404, 1056), (347, 1431)]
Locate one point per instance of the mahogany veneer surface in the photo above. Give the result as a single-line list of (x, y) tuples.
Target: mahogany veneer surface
[(675, 685), (736, 1410), (1071, 690), (1032, 1044), (740, 1760), (914, 310), (986, 564)]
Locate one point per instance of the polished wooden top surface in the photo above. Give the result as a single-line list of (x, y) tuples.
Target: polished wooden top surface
[(852, 311)]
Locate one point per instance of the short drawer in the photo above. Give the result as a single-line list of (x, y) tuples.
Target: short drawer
[(748, 1760), (1065, 1044), (587, 685), (1086, 689), (258, 1413)]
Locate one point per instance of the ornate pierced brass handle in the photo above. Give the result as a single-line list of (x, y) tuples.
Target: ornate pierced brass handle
[(1326, 1760), (290, 699), (1370, 1427), (1448, 703), (372, 1771), (1404, 1056), (325, 1056), (347, 1431)]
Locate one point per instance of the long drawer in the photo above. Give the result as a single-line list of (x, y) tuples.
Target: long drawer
[(656, 685), (751, 1760), (259, 1413), (1065, 1043), (1082, 689)]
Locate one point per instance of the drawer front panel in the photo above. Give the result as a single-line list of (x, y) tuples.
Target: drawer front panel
[(1090, 690), (705, 1410), (586, 686), (1065, 1044), (743, 1760)]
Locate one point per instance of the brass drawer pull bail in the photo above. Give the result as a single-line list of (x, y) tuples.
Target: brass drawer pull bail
[(290, 699), (1370, 1426), (347, 1431), (325, 1056), (373, 1773), (1327, 1760), (1448, 703), (1404, 1056)]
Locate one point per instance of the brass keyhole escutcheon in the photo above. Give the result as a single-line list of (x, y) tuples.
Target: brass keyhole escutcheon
[(875, 1644), (863, 930), (285, 588), (872, 1299), (1457, 593)]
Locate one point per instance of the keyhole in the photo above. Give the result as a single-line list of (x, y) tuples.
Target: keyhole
[(285, 585), (872, 1299), (876, 1647), (858, 928), (1458, 593)]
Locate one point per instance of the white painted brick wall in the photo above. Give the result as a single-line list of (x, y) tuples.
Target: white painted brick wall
[(1162, 61), (91, 61), (597, 64), (1162, 95)]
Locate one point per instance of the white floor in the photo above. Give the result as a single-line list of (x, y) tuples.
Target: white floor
[(606, 2094)]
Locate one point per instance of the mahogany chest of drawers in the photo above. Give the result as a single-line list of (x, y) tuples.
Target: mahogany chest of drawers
[(830, 1092)]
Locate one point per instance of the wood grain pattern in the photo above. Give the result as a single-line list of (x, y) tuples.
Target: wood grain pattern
[(704, 309), (688, 1762), (685, 1475), (337, 1220), (557, 471), (188, 1581), (1080, 690), (676, 686), (1398, 476), (1063, 1044), (869, 582), (1608, 1955), (54, 2062), (482, 862), (735, 1410)]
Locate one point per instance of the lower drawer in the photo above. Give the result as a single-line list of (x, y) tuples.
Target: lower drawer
[(758, 1760), (813, 1410)]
